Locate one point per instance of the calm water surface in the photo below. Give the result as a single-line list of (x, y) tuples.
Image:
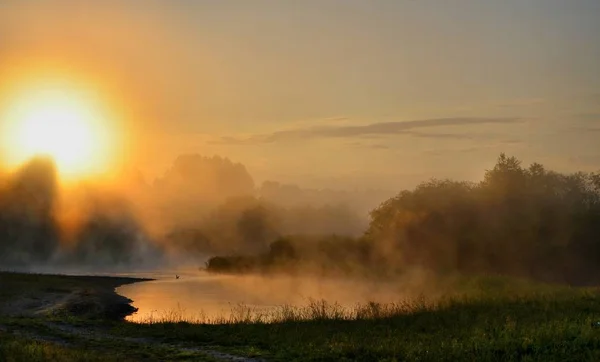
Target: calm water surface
[(197, 295)]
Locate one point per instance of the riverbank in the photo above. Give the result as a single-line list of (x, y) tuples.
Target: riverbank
[(47, 317), (494, 319), (38, 295)]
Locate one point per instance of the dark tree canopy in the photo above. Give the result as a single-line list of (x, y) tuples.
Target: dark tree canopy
[(28, 231), (524, 221)]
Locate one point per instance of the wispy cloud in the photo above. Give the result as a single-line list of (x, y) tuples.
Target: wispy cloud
[(374, 146), (454, 136), (586, 129), (524, 102), (497, 137), (497, 145), (589, 117), (380, 128)]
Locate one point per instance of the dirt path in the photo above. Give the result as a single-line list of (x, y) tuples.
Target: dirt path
[(67, 335)]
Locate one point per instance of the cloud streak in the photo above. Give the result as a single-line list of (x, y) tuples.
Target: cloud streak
[(380, 128), (496, 145), (589, 117), (525, 102), (375, 146)]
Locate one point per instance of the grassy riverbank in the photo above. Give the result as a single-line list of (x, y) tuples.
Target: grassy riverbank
[(487, 319)]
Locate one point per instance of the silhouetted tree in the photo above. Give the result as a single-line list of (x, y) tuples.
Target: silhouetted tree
[(28, 229), (523, 221)]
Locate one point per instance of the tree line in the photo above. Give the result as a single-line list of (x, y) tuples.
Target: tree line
[(522, 221)]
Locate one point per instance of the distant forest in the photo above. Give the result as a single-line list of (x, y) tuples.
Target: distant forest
[(522, 221), (518, 220), (199, 207)]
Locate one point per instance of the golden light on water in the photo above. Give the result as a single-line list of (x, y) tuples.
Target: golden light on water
[(62, 121)]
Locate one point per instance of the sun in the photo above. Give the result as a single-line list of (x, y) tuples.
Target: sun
[(62, 123), (58, 128)]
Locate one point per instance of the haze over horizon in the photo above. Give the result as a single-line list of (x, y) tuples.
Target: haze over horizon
[(257, 180), (337, 94)]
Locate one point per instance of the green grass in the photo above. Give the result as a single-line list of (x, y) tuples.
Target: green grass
[(528, 328), (530, 322), (483, 319), (27, 350), (14, 349), (40, 339)]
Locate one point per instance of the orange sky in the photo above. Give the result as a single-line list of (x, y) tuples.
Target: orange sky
[(327, 93)]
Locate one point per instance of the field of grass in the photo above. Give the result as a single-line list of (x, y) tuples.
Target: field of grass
[(14, 349), (487, 319)]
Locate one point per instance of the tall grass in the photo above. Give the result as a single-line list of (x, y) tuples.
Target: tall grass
[(14, 349), (314, 310)]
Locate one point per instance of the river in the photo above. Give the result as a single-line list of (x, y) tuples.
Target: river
[(200, 296)]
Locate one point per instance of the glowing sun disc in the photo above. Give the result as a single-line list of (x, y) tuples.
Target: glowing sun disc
[(60, 123)]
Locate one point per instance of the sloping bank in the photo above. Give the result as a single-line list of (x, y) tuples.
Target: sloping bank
[(89, 297)]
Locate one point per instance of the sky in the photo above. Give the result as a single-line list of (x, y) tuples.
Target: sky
[(330, 93)]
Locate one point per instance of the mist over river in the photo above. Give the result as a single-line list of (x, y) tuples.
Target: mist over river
[(201, 296)]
